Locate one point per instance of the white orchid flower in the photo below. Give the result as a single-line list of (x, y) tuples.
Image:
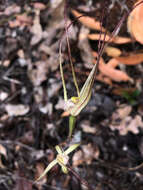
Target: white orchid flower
[(61, 159)]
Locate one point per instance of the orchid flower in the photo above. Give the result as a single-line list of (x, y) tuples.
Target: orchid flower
[(74, 105), (61, 159)]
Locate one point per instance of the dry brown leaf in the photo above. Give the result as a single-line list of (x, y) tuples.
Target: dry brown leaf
[(20, 53), (36, 29), (3, 150), (113, 63), (98, 36), (135, 23), (88, 129), (128, 124), (85, 125), (83, 44), (38, 5), (3, 95), (77, 158), (116, 40), (88, 153), (121, 40), (24, 19), (17, 110), (56, 3), (112, 51), (123, 122), (39, 74), (14, 23), (13, 9), (122, 112), (112, 73), (131, 59), (88, 21), (21, 20), (6, 63), (104, 79)]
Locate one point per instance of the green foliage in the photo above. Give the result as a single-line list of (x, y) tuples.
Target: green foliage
[(131, 96)]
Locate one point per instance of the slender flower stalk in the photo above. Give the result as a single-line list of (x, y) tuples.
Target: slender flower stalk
[(76, 104)]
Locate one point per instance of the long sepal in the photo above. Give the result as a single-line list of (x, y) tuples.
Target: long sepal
[(85, 93), (58, 149), (71, 148), (53, 163)]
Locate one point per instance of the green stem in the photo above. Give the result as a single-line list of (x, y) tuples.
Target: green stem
[(72, 120)]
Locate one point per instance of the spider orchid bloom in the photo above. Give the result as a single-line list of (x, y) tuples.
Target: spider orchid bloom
[(61, 159), (75, 105)]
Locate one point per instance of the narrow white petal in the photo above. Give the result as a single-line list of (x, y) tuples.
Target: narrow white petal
[(54, 162), (71, 148), (59, 150)]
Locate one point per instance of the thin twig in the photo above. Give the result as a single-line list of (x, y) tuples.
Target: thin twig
[(83, 181)]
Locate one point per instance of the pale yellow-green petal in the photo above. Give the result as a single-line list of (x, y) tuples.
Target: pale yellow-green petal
[(64, 169), (58, 149), (85, 94), (71, 148), (88, 81), (53, 163)]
